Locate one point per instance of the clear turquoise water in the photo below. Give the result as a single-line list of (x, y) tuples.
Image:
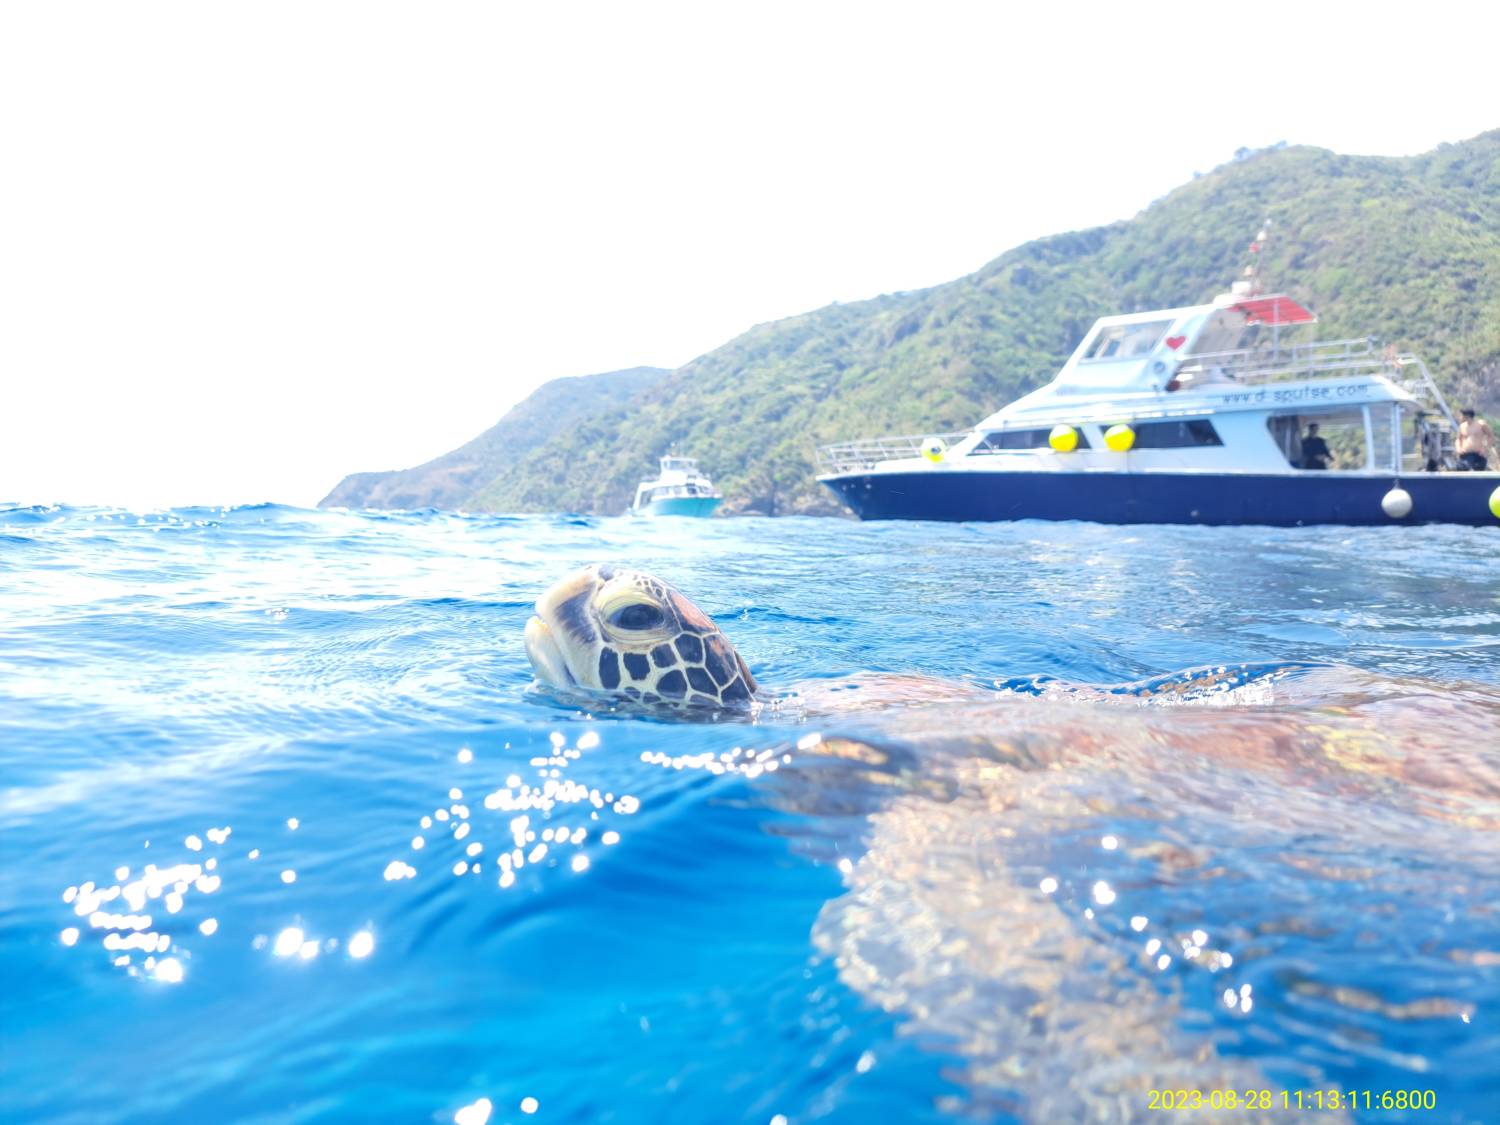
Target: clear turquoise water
[(912, 933)]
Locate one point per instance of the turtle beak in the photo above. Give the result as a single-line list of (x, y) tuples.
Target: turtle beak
[(545, 655)]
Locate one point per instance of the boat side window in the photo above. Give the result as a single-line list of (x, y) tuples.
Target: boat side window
[(1008, 441), (1127, 341), (1175, 434)]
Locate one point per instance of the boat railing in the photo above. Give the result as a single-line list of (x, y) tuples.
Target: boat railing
[(1417, 381), (1314, 359), (1292, 361), (856, 456)]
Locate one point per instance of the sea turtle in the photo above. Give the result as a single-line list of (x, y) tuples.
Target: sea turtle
[(606, 635), (1081, 891), (609, 631)]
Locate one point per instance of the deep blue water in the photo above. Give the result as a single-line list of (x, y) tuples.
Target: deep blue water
[(1012, 910)]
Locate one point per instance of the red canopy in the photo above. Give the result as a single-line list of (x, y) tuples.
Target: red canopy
[(1275, 310)]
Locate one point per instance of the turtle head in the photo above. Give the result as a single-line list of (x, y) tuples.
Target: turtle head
[(619, 632)]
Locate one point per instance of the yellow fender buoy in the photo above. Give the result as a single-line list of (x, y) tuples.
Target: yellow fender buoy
[(1063, 438), (1119, 438), (933, 449), (1495, 503)]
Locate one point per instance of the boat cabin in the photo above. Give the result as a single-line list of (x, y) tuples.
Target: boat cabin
[(679, 480), (1227, 386)]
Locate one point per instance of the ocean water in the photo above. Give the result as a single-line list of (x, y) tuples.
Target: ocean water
[(286, 834)]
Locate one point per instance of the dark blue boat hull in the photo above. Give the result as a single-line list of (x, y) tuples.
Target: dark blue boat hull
[(1208, 498)]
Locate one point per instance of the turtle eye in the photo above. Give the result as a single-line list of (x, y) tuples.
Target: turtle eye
[(637, 616)]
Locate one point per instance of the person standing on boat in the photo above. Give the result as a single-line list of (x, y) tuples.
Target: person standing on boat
[(1315, 452), (1476, 442), (1430, 439)]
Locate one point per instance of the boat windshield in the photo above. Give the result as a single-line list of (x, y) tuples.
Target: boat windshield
[(1227, 331), (1126, 341)]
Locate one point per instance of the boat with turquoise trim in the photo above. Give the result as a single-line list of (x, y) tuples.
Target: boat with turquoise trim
[(1210, 414), (680, 489)]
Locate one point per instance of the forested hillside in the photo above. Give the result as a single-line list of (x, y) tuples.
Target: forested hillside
[(1407, 249)]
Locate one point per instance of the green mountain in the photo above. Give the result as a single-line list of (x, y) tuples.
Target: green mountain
[(451, 481), (1406, 249)]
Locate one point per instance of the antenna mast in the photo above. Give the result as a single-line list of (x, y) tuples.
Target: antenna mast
[(1252, 284)]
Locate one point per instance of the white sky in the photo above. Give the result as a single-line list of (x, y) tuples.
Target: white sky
[(245, 249)]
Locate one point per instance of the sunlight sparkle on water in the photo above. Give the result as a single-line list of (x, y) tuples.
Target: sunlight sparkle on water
[(475, 1113), (171, 885), (362, 944)]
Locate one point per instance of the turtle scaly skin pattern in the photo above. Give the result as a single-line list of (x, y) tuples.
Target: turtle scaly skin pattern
[(606, 630)]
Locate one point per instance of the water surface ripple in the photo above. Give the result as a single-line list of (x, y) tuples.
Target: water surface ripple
[(286, 836)]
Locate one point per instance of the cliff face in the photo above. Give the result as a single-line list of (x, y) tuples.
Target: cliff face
[(1407, 249), (452, 480)]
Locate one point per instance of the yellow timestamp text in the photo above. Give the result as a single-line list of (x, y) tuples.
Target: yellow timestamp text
[(1169, 1101)]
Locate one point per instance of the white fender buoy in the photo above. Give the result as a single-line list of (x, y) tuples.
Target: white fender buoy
[(1396, 503)]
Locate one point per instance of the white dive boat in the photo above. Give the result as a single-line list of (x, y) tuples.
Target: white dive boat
[(678, 490), (1192, 415)]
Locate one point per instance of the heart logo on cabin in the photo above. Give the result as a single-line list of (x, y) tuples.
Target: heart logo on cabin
[(1175, 342)]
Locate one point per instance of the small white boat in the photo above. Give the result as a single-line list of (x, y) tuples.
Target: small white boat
[(680, 489)]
